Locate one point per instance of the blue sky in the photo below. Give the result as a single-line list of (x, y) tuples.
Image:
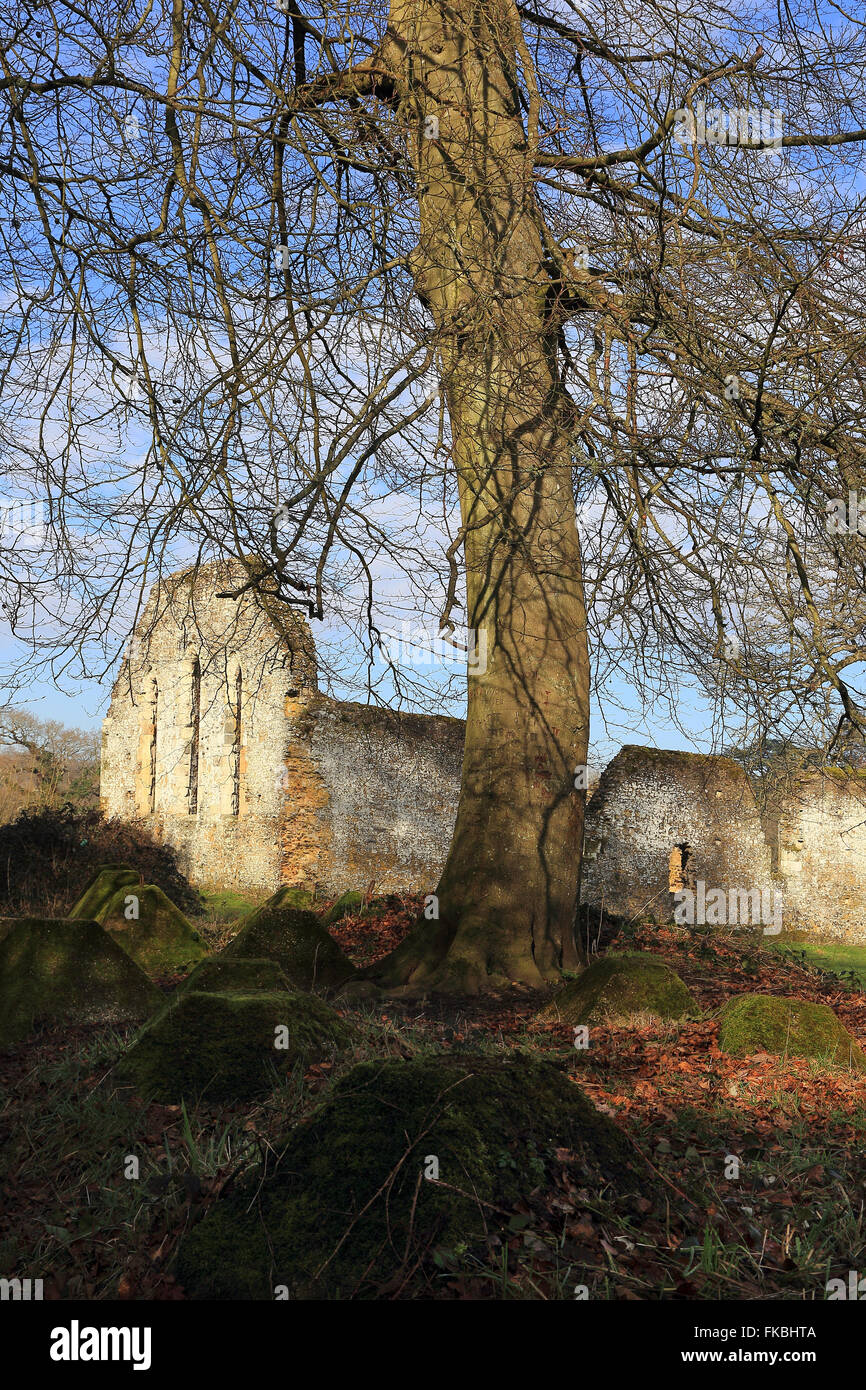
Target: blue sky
[(84, 704)]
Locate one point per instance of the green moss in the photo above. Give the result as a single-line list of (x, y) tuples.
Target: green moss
[(347, 902), (160, 939), (224, 1046), (855, 775), (221, 975), (67, 972), (621, 986), (101, 888), (227, 905), (640, 757), (297, 941), (347, 1199), (292, 896), (236, 974), (789, 1027)]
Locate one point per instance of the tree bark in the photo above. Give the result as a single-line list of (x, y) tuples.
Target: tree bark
[(508, 894)]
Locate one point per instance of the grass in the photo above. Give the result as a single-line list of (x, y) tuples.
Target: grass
[(80, 1214), (842, 958), (222, 914)]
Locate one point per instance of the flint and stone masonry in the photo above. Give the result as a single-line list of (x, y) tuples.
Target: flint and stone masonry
[(218, 739), (661, 821)]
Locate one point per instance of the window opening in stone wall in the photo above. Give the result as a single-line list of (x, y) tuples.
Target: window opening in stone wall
[(236, 745), (681, 869), (154, 712), (195, 721), (773, 834)]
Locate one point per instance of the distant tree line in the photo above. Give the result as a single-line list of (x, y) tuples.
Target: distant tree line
[(44, 764)]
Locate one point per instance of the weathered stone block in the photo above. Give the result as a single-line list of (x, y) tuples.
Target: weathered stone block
[(229, 1046), (155, 933), (62, 972)]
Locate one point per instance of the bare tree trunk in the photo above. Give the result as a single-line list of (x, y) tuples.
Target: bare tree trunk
[(508, 892)]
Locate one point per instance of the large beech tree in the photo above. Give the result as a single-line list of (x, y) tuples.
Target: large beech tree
[(483, 267), (269, 272)]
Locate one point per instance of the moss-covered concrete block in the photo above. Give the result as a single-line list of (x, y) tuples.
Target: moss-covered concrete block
[(354, 1188), (58, 971), (292, 896), (622, 986), (347, 902), (229, 1046), (298, 942), (227, 905), (155, 933), (788, 1027), (223, 974), (101, 888), (230, 975)]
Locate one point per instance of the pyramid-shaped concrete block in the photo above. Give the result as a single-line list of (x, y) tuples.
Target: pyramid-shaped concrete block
[(229, 1046), (53, 971), (153, 931), (298, 942), (223, 974), (356, 1165), (101, 888), (292, 895)]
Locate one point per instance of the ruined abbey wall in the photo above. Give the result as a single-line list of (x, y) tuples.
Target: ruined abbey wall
[(664, 820), (650, 802), (218, 739), (821, 849), (388, 786)]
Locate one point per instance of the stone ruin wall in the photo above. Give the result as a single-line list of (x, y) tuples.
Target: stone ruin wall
[(389, 783), (808, 843), (291, 786), (647, 803), (821, 846), (198, 722)]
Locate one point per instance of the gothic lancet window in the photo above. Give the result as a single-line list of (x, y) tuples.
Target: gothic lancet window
[(154, 719), (236, 744), (195, 719)]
